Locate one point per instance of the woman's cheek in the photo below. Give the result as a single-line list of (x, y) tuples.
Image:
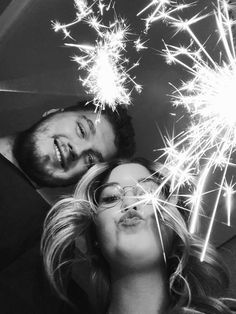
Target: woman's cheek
[(105, 230)]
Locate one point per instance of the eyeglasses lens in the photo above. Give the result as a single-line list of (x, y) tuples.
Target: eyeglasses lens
[(112, 194)]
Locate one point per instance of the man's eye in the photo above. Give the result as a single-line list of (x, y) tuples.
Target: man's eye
[(90, 160), (81, 129)]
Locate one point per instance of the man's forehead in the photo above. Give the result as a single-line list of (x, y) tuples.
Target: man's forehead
[(78, 112), (89, 113), (95, 117)]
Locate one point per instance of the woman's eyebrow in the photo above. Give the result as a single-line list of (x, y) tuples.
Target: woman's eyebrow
[(148, 178), (142, 179)]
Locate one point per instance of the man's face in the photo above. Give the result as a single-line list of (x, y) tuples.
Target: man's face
[(59, 149)]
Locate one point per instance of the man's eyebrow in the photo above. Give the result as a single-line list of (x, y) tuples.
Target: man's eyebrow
[(98, 156), (90, 124)]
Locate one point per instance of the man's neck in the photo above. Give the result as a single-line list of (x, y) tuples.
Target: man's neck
[(139, 293), (6, 149)]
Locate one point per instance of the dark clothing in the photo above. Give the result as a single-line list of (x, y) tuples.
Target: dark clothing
[(22, 212), (228, 252), (24, 288)]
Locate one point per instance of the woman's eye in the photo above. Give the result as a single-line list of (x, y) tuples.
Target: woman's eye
[(109, 199)]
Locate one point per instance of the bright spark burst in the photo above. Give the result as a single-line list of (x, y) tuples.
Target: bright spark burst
[(107, 68), (209, 98), (163, 10), (140, 45)]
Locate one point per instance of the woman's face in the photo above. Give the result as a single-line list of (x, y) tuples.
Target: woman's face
[(127, 228)]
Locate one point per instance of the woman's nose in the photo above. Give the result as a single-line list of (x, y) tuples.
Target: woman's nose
[(129, 202)]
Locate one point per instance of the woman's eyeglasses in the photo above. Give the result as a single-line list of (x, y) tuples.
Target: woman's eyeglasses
[(112, 194)]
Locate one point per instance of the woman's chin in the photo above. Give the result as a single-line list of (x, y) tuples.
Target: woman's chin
[(134, 250)]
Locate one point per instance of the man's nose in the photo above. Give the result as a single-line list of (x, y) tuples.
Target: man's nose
[(73, 152), (78, 146)]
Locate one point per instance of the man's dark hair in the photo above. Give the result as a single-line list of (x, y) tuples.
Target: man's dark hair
[(121, 124)]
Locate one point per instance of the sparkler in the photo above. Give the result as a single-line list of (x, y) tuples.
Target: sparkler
[(107, 68), (209, 98)]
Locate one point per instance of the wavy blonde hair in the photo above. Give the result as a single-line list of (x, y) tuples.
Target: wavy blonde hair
[(194, 287)]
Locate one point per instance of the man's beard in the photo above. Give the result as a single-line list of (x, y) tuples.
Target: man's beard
[(31, 162), (25, 152)]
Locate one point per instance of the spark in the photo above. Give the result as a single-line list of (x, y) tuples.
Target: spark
[(229, 191), (181, 173), (209, 99), (212, 220), (139, 45), (106, 68), (101, 7), (82, 11), (163, 9)]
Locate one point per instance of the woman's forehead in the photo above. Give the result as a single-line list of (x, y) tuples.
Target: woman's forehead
[(128, 174)]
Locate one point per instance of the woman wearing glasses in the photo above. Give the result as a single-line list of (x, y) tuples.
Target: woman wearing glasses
[(143, 260)]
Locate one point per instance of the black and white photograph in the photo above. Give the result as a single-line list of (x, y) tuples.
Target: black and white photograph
[(117, 156)]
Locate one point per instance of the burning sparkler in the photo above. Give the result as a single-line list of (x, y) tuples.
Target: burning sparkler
[(210, 100), (108, 76)]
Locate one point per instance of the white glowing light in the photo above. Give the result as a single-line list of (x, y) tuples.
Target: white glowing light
[(209, 98), (229, 192), (163, 10), (107, 68), (140, 45)]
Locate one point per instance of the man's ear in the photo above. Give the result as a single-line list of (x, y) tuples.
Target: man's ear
[(51, 111)]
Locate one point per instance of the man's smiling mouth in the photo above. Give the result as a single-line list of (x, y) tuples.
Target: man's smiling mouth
[(59, 154)]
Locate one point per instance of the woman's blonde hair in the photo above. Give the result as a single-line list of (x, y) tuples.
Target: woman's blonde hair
[(194, 286)]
